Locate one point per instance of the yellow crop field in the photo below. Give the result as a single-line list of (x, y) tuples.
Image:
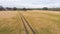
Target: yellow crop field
[(10, 23), (44, 22), (40, 22)]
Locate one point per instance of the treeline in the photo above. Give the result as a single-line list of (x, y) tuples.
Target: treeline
[(9, 8), (14, 8)]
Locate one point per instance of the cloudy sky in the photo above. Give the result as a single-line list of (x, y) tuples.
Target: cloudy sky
[(30, 3)]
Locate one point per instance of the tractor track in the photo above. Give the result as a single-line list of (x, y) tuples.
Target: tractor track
[(25, 24)]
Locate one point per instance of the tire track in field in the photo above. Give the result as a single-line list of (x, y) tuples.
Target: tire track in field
[(26, 24)]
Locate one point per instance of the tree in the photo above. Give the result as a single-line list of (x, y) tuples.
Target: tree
[(24, 9), (8, 8), (14, 8), (45, 8), (1, 8)]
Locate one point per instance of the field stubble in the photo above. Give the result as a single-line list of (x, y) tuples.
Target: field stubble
[(10, 23), (43, 22)]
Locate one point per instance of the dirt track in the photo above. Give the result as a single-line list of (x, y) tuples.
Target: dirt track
[(27, 26)]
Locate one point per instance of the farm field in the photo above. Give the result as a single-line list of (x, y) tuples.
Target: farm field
[(10, 23), (42, 22)]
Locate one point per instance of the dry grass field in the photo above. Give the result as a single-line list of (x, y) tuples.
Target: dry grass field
[(10, 23), (43, 22)]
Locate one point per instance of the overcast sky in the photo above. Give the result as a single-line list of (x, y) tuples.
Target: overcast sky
[(30, 3)]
